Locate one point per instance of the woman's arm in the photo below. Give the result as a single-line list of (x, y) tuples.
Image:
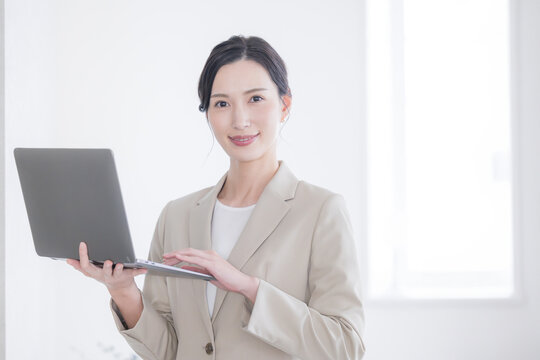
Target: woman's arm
[(330, 325), (144, 319), (120, 283), (130, 305), (154, 335)]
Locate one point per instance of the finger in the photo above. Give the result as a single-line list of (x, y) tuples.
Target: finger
[(83, 256), (177, 258), (204, 263), (206, 254), (171, 255), (117, 271), (83, 253), (84, 262), (182, 256), (107, 269), (171, 262), (88, 268)]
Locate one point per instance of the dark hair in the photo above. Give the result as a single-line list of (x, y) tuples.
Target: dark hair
[(242, 48)]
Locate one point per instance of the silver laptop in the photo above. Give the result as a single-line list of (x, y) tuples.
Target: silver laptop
[(73, 195)]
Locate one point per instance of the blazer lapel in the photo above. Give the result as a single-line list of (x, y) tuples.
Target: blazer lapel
[(200, 221), (271, 207)]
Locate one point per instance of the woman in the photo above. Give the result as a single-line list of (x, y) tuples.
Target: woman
[(289, 288)]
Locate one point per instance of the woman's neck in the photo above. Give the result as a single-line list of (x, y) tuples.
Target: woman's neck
[(246, 181)]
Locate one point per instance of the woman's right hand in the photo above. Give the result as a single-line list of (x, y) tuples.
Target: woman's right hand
[(117, 280)]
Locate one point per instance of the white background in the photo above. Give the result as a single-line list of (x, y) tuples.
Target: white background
[(123, 74)]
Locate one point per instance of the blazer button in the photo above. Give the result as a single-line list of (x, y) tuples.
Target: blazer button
[(209, 348)]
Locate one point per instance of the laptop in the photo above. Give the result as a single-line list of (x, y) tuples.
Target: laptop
[(73, 195)]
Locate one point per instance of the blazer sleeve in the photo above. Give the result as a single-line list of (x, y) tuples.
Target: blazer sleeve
[(330, 325), (154, 336)]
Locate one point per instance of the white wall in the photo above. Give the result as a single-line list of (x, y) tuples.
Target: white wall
[(123, 74), (485, 330), (2, 193)]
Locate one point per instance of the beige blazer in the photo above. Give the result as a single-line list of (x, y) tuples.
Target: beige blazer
[(298, 241)]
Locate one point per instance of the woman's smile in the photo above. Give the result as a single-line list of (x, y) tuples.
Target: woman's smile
[(243, 140)]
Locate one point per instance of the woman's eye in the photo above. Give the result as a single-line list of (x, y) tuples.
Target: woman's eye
[(220, 104)]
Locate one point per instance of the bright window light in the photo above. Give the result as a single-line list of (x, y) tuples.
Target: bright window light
[(439, 170)]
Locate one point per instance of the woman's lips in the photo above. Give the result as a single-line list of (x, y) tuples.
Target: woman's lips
[(243, 140)]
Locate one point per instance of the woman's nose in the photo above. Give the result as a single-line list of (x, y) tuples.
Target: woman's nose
[(240, 119)]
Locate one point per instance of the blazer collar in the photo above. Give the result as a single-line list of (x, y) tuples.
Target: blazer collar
[(282, 186), (267, 214)]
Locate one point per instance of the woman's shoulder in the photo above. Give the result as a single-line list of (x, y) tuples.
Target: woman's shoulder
[(312, 191), (188, 200), (175, 212), (317, 196)]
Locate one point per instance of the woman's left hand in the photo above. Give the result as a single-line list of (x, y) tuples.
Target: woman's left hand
[(228, 277)]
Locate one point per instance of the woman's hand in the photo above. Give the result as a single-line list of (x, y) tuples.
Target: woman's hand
[(228, 277), (118, 281)]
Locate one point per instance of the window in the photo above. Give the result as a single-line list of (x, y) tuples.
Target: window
[(439, 149)]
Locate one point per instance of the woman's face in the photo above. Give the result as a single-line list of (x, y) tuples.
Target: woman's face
[(245, 111)]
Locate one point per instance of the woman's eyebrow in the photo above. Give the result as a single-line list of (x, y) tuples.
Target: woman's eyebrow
[(245, 92)]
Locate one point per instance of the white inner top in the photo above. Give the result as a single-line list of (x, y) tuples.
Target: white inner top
[(227, 225)]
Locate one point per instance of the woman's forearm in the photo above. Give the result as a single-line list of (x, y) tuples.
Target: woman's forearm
[(250, 290), (129, 302)]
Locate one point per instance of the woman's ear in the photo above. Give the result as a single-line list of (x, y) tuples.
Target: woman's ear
[(285, 110)]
